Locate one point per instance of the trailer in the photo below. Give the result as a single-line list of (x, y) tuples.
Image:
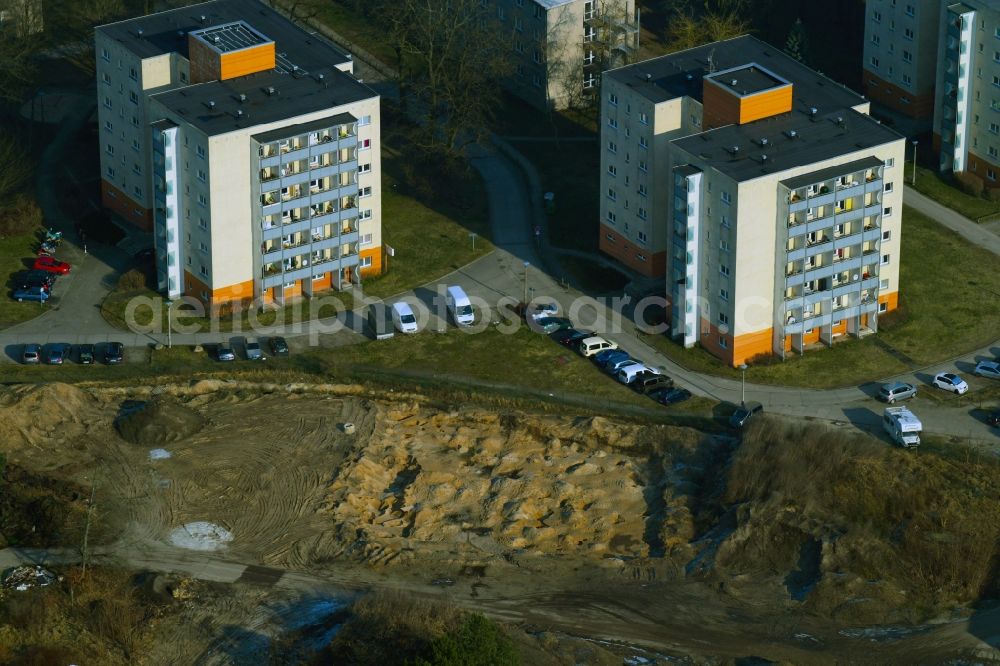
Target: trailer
[(903, 426)]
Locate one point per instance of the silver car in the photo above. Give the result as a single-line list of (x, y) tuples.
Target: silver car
[(894, 391)]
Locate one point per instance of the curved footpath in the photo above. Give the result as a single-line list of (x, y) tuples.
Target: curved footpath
[(515, 212)]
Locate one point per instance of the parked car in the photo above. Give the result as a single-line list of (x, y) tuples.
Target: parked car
[(594, 345), (670, 396), (33, 283), (253, 351), (994, 419), (646, 383), (631, 372), (574, 339), (613, 367), (537, 311), (51, 265), (951, 382), (894, 391), (278, 346), (403, 317), (35, 276), (39, 294), (562, 334), (55, 354), (611, 356), (744, 413), (552, 324), (85, 354), (989, 369), (225, 353), (114, 353), (31, 354)]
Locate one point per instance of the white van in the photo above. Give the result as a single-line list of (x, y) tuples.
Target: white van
[(403, 317), (628, 373), (459, 306), (594, 345)]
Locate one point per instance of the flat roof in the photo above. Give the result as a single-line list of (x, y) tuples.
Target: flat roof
[(303, 128), (217, 107), (230, 37), (786, 141), (552, 4), (680, 74), (167, 32), (832, 172), (747, 79)]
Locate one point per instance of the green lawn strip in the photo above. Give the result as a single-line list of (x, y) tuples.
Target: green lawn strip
[(942, 315), (941, 188), (14, 250)]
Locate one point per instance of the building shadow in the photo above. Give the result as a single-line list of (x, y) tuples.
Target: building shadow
[(966, 367), (925, 378), (870, 389), (864, 419)]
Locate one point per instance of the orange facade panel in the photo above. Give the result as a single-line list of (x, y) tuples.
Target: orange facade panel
[(376, 266), (247, 61), (891, 300), (765, 104)]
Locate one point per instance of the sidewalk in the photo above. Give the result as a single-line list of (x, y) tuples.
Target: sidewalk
[(963, 226)]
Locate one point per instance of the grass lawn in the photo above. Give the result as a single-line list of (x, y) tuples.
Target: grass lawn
[(13, 251), (940, 317), (942, 189), (355, 27)]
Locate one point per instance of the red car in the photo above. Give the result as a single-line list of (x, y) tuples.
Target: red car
[(51, 265)]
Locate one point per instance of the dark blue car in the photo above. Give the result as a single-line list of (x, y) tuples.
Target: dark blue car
[(610, 357), (31, 294)]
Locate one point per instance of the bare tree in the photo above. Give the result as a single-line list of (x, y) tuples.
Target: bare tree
[(456, 52), (299, 10), (713, 21)]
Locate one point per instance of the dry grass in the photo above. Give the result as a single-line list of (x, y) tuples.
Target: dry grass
[(922, 522)]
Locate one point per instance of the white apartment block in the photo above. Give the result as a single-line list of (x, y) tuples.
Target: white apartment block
[(560, 47), (900, 55), (246, 146), (763, 193)]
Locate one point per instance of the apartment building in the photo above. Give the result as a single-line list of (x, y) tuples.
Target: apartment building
[(900, 55), (967, 108), (560, 47), (247, 147), (763, 193)]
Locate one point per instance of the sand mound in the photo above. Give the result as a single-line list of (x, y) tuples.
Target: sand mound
[(158, 422), (44, 415)]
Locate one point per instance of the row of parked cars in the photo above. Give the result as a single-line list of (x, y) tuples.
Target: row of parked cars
[(252, 350), (36, 284), (606, 355), (111, 353)]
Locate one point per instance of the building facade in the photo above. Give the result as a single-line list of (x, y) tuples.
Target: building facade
[(763, 193), (900, 55), (560, 47), (246, 147)]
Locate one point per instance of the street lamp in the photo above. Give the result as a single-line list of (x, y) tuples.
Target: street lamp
[(170, 341), (914, 163), (525, 299), (743, 384)]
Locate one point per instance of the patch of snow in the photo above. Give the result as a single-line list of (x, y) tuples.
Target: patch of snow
[(636, 660), (158, 454), (200, 535)]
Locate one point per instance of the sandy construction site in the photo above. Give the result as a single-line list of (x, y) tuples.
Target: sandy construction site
[(580, 524)]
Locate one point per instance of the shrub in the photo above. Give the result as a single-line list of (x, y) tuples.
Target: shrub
[(478, 642), (970, 183), (132, 280), (993, 194), (22, 216)]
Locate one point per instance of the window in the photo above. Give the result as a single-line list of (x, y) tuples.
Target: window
[(724, 294), (536, 81), (135, 121), (907, 79), (992, 151), (612, 194), (364, 192), (136, 169), (612, 170), (643, 143), (724, 269), (133, 97), (886, 235), (641, 212), (203, 247), (365, 144), (366, 262), (364, 168), (642, 190), (877, 17), (519, 47), (890, 162), (613, 123), (724, 245), (876, 38), (364, 121), (110, 150), (203, 223), (539, 12), (888, 187), (537, 57), (202, 199), (365, 214), (885, 259), (723, 343), (910, 11), (111, 172), (200, 151), (725, 221), (612, 147), (907, 56), (612, 99), (887, 211), (204, 271), (726, 198), (991, 174), (995, 128), (365, 240), (501, 14), (202, 176), (138, 191), (723, 318), (106, 54), (641, 235), (108, 126), (106, 78), (874, 62), (908, 34), (612, 218), (642, 165), (107, 102), (644, 118), (133, 74)]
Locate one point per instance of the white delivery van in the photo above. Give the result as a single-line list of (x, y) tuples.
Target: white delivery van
[(403, 317), (459, 306), (903, 426)]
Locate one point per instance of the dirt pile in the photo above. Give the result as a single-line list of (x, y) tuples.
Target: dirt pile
[(45, 416), (158, 422)]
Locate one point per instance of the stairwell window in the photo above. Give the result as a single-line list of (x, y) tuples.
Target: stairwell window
[(886, 235), (644, 118), (612, 194), (643, 143), (365, 240), (642, 213), (612, 170), (365, 214), (613, 123), (365, 144), (612, 218), (364, 192), (612, 99), (724, 269), (612, 147), (642, 166), (885, 259)]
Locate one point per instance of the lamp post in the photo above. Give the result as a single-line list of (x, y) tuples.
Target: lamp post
[(170, 341), (525, 299), (743, 384), (914, 183)]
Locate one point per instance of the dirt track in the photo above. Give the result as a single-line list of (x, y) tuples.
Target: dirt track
[(542, 521)]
